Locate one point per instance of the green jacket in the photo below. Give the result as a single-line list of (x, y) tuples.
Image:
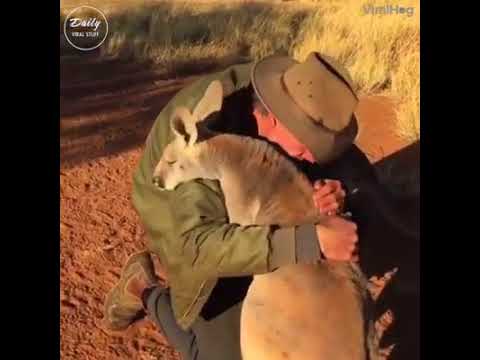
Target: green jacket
[(188, 228)]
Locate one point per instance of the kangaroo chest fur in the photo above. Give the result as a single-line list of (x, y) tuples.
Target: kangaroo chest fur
[(298, 312)]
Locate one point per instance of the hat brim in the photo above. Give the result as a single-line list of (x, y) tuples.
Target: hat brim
[(268, 84)]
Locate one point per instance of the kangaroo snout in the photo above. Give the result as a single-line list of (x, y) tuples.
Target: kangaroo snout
[(158, 182)]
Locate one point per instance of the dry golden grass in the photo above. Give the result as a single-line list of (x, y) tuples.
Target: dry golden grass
[(380, 51)]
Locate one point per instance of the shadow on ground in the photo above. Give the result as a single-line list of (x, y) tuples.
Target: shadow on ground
[(106, 115)]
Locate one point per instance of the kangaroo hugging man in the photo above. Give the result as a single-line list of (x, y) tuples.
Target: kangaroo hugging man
[(230, 192)]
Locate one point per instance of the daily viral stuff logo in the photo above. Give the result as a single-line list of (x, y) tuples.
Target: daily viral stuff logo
[(85, 28)]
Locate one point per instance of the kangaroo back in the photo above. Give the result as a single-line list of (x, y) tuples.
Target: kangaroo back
[(297, 312), (261, 186)]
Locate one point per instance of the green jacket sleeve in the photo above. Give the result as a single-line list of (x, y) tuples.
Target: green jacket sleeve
[(189, 227)]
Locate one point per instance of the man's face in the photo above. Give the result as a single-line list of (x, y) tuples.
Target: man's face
[(270, 128)]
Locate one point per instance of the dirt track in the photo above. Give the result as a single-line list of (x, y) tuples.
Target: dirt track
[(101, 141)]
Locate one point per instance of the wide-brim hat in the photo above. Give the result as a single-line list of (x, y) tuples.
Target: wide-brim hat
[(315, 100)]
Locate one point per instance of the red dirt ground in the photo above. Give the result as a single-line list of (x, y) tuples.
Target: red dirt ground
[(103, 125)]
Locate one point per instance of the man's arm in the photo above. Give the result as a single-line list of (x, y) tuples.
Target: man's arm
[(190, 226), (220, 248)]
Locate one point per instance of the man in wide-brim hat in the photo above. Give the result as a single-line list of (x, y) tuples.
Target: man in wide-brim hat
[(307, 110)]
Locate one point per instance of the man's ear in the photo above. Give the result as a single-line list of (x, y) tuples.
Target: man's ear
[(184, 126), (210, 102)]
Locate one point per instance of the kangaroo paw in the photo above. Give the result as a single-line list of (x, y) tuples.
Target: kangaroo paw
[(377, 284), (380, 326), (384, 353), (383, 323)]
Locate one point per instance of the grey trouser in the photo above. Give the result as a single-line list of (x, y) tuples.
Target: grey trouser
[(216, 339)]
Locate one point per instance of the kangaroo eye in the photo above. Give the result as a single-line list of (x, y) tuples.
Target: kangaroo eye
[(171, 162)]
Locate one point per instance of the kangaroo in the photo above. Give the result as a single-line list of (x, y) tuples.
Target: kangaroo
[(298, 312)]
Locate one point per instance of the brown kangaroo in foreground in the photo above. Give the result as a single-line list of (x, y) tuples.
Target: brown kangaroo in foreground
[(298, 312)]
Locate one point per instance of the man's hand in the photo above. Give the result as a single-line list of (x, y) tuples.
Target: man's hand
[(338, 239), (328, 196), (336, 235)]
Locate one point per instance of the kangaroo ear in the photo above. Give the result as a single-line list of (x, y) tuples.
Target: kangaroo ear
[(211, 101), (183, 125)]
